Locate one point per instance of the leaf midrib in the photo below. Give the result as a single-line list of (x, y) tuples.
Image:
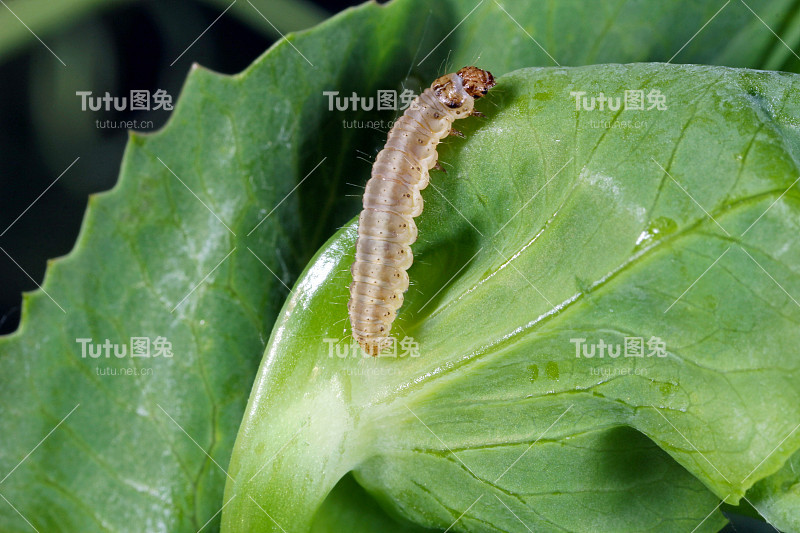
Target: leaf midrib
[(419, 386)]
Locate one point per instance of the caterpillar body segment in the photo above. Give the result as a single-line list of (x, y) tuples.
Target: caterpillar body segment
[(392, 199)]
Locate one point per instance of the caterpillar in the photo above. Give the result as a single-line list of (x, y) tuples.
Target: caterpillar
[(392, 199)]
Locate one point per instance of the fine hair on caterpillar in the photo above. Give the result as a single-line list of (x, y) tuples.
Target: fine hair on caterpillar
[(392, 199)]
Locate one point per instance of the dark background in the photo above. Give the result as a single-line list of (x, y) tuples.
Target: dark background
[(115, 47)]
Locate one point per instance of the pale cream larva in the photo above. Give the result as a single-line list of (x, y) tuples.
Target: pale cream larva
[(392, 199)]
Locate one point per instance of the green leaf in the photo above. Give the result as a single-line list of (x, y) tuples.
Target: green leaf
[(122, 461), (350, 507), (498, 418), (241, 144), (778, 496)]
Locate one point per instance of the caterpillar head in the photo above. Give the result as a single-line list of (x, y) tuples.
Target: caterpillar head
[(458, 91), (476, 82)]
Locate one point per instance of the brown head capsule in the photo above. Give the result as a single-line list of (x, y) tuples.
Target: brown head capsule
[(476, 82), (392, 199)]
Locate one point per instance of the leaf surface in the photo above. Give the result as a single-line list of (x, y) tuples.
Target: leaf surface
[(556, 228)]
